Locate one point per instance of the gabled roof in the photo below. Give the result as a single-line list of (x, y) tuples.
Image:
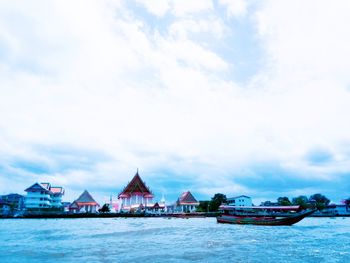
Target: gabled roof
[(85, 199), (187, 198), (136, 185), (36, 187)]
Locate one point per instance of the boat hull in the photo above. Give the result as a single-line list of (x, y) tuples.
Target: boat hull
[(264, 221)]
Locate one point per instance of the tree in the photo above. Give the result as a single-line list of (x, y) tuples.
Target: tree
[(105, 209), (216, 201), (320, 201), (283, 201), (301, 200), (203, 206)]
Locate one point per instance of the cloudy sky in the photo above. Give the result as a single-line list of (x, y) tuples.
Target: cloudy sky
[(231, 96)]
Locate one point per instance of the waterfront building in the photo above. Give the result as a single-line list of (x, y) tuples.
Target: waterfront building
[(44, 195), (136, 195), (241, 200), (15, 200), (84, 204), (334, 210), (186, 203), (38, 196)]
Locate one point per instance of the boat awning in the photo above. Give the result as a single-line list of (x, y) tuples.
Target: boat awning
[(285, 208)]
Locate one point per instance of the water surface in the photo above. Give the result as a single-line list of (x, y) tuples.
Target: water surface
[(171, 240)]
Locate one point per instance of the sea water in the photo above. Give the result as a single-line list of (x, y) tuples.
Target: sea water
[(171, 240)]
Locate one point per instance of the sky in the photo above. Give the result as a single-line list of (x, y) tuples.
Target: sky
[(230, 96)]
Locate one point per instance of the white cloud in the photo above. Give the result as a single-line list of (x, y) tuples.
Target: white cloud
[(106, 80), (183, 7), (155, 7), (235, 7)]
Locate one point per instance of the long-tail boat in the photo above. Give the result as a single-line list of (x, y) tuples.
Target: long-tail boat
[(262, 215)]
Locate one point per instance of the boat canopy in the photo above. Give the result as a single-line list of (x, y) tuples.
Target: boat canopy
[(284, 208)]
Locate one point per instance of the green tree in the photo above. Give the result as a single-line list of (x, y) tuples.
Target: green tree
[(283, 201), (203, 206), (320, 201), (216, 201), (105, 209), (301, 200)]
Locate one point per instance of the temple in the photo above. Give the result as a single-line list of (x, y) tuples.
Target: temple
[(186, 203), (84, 204), (135, 196)]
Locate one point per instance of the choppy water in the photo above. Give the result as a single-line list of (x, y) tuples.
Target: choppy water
[(171, 240)]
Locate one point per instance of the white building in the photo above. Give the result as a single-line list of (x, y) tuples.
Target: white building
[(43, 196), (38, 196), (241, 200)]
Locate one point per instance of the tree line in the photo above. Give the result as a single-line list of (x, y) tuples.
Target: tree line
[(318, 201)]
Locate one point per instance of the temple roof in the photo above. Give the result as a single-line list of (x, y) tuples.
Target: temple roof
[(85, 199), (136, 185), (187, 198)]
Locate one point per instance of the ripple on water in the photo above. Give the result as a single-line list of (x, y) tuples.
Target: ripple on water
[(176, 240)]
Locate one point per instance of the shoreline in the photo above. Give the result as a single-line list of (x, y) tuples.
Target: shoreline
[(111, 215), (125, 215)]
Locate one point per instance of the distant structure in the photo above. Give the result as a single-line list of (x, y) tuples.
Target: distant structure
[(334, 210), (16, 201), (84, 204), (136, 195), (43, 196), (241, 200), (186, 203)]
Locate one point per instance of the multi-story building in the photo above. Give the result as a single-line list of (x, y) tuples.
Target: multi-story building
[(241, 200), (43, 196)]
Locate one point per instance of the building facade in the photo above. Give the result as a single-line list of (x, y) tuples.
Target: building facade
[(241, 200), (135, 196), (37, 197)]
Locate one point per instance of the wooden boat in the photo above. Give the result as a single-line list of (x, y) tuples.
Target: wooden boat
[(266, 216)]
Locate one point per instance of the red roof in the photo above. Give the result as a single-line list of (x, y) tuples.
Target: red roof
[(187, 198), (85, 199), (57, 190), (136, 186)]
